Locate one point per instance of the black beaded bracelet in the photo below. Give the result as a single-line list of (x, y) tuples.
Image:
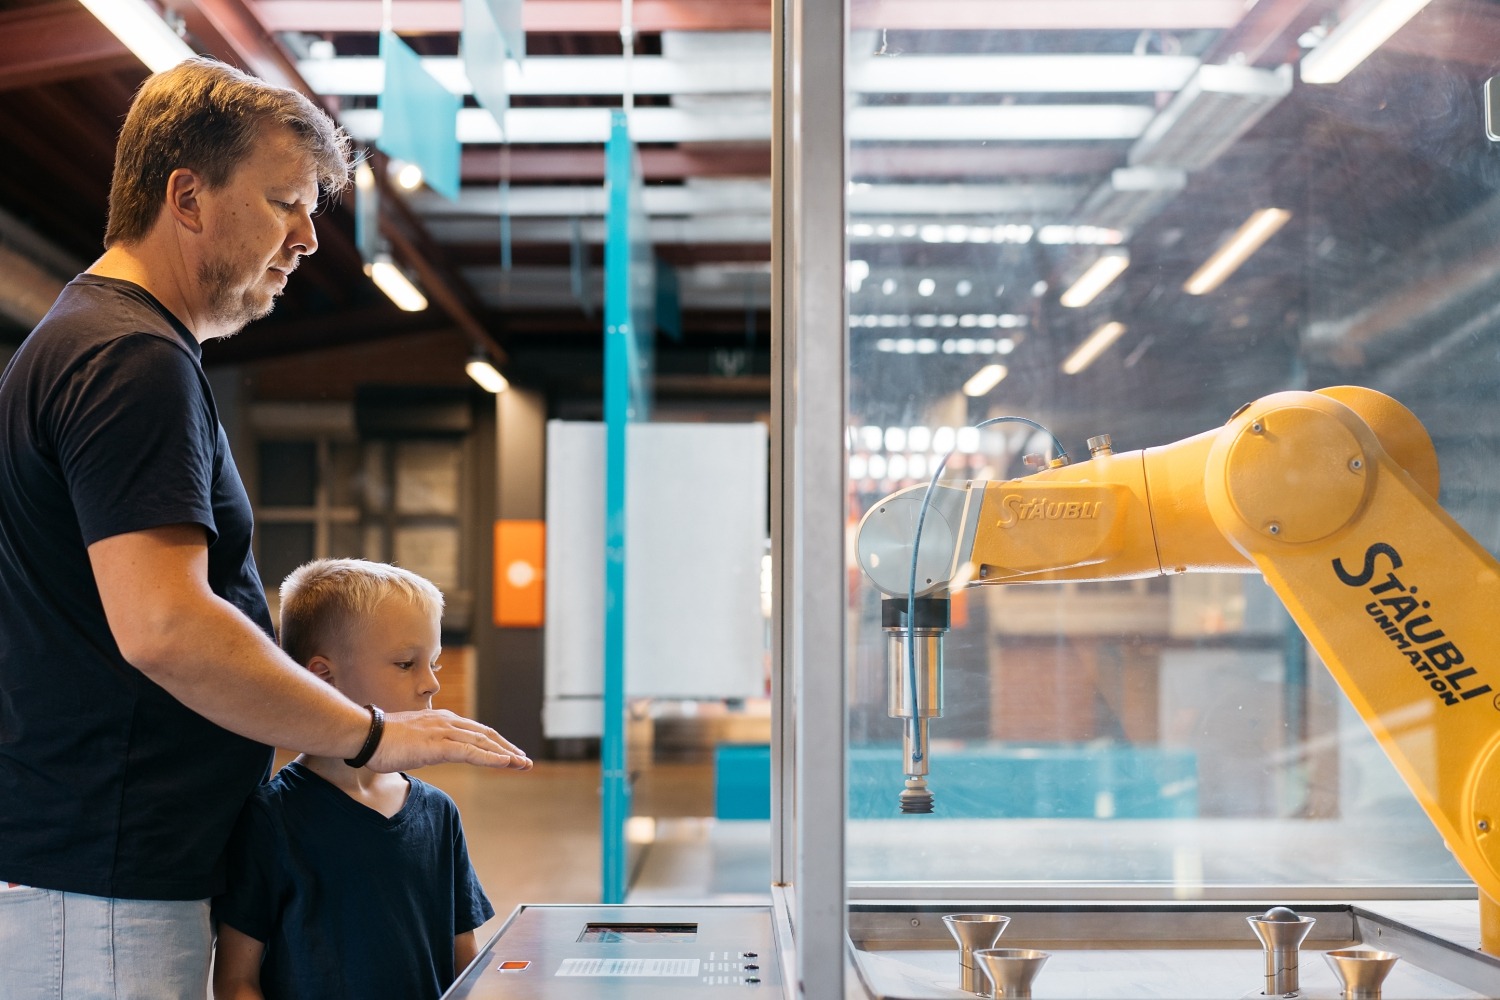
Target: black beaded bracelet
[(372, 740)]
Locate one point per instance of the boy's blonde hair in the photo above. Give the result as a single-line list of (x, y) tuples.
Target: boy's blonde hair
[(323, 601)]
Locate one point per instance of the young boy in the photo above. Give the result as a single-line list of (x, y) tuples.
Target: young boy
[(344, 882)]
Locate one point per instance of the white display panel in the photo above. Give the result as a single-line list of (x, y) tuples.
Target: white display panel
[(695, 535)]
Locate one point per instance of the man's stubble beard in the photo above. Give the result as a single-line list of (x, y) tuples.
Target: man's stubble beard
[(226, 307)]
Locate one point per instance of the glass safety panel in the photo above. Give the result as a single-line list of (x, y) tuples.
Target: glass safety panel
[(1070, 220)]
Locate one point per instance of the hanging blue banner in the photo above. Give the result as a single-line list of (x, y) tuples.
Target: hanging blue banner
[(668, 302), (419, 117), (484, 47), (366, 211)]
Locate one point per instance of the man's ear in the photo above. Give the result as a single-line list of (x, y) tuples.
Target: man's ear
[(184, 187), (322, 668)]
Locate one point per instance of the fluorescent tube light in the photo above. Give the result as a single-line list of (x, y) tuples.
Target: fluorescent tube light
[(1246, 240), (1131, 196), (985, 379), (1095, 280), (1084, 354), (1356, 36), (390, 279), (142, 31), (487, 375), (1208, 115)]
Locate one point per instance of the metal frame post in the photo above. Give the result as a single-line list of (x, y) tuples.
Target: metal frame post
[(810, 359)]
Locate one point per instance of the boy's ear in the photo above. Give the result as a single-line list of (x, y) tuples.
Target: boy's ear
[(322, 667)]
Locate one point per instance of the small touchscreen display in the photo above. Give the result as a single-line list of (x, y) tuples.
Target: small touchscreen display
[(640, 933)]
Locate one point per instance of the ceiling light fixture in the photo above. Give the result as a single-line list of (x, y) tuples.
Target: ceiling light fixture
[(1246, 240), (142, 31), (1095, 280), (484, 372), (393, 281), (985, 379), (409, 176), (1217, 106), (1131, 196), (1085, 353), (1356, 36)]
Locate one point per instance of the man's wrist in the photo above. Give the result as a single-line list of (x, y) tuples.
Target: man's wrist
[(372, 738)]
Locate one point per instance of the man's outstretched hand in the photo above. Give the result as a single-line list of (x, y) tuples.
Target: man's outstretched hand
[(437, 736)]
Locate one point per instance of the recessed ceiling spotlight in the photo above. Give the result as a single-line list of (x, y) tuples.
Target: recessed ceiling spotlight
[(408, 175)]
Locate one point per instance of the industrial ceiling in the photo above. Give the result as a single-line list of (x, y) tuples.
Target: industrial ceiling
[(997, 148)]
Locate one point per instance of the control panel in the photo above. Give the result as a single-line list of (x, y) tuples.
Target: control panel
[(567, 951)]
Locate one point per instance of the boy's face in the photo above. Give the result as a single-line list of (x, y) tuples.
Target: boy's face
[(390, 659)]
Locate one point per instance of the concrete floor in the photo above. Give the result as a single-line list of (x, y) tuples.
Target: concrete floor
[(534, 837)]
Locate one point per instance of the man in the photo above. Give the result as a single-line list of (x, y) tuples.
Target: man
[(140, 687)]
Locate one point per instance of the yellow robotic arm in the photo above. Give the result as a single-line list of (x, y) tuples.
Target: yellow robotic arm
[(1331, 496)]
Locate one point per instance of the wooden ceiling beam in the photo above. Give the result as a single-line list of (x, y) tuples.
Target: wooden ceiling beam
[(79, 156), (271, 337), (1268, 34), (486, 165), (975, 163), (1045, 15), (561, 254), (603, 16), (582, 16), (1445, 35), (232, 32), (56, 41)]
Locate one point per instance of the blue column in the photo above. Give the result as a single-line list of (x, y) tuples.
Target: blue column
[(628, 329)]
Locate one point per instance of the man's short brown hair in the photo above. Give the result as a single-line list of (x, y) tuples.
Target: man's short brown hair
[(206, 116)]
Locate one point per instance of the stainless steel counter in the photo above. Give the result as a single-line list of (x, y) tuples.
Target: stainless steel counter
[(900, 950)]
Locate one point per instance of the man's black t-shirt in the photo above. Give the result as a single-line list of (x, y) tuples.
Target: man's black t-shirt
[(351, 904), (110, 786)]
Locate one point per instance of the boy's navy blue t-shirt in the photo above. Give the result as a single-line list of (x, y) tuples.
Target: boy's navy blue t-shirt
[(350, 903), (109, 786)]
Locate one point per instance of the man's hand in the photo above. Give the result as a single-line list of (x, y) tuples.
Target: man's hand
[(416, 739)]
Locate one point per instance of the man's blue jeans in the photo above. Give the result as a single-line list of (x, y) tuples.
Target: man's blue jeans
[(64, 946)]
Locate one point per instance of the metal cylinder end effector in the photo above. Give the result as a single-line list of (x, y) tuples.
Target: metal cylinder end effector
[(914, 684), (1281, 932)]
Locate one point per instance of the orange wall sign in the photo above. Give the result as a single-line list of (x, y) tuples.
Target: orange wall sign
[(520, 556)]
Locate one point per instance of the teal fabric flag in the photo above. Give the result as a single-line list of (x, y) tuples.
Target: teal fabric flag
[(668, 301), (419, 117), (366, 211), (491, 34)]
